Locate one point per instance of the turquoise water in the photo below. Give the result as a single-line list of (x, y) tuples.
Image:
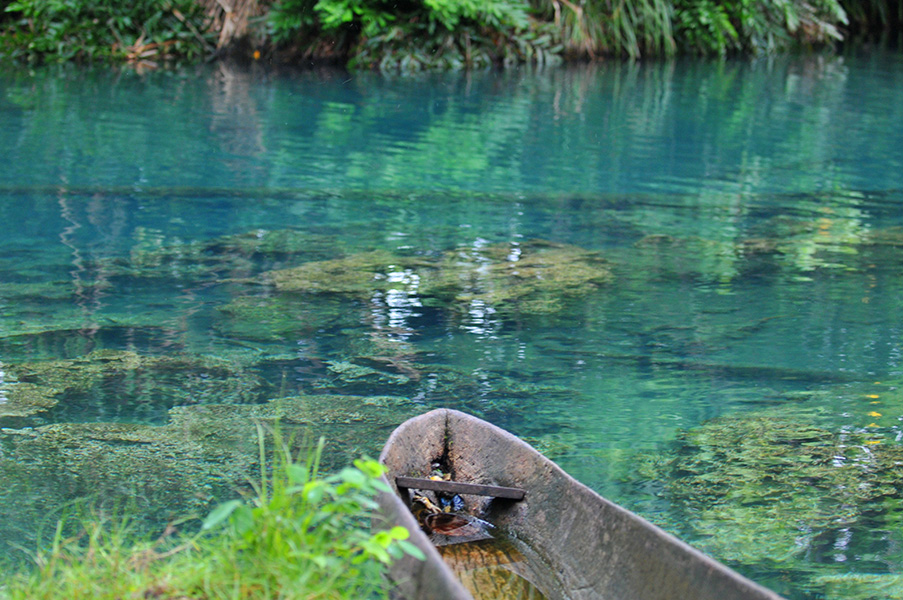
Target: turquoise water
[(679, 280)]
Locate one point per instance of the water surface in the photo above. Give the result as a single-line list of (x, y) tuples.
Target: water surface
[(679, 280)]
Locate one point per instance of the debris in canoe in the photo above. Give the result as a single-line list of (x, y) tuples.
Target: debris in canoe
[(434, 519)]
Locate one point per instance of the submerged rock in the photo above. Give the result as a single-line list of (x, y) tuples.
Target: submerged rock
[(349, 372), (113, 383), (862, 586), (276, 317), (533, 277), (25, 399), (361, 273), (777, 488)]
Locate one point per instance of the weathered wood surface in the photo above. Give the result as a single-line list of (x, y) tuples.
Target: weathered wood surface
[(458, 487), (597, 549)]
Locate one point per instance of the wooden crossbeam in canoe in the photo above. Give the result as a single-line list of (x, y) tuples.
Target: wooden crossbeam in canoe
[(456, 487)]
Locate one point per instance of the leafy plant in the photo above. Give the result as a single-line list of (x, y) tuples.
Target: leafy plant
[(145, 31), (706, 26), (412, 36), (316, 530), (611, 27), (757, 26)]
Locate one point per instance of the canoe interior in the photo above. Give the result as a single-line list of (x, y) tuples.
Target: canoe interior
[(496, 569), (595, 549)]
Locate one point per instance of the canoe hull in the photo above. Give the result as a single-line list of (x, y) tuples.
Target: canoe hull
[(596, 548)]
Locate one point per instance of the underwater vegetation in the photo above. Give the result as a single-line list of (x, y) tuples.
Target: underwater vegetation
[(201, 455), (784, 491), (94, 386), (800, 246)]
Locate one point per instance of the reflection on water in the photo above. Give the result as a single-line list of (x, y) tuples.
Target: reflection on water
[(679, 280), (3, 386)]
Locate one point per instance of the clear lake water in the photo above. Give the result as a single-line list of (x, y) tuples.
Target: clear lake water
[(682, 281)]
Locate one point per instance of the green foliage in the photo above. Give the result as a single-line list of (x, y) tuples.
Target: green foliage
[(315, 529), (664, 27), (299, 537), (756, 26), (437, 34), (118, 30), (440, 34), (611, 27), (706, 27)]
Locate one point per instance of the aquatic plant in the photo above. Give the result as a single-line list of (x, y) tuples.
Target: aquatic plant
[(359, 273), (229, 256), (298, 536), (533, 277), (839, 241), (275, 317)]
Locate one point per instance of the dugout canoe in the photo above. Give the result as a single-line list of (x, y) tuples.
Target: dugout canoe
[(553, 537)]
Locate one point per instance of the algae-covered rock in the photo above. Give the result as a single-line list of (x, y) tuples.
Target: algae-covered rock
[(349, 372), (861, 586), (276, 317), (40, 291), (150, 473), (361, 273), (770, 488), (121, 385), (42, 312), (533, 277), (25, 399)]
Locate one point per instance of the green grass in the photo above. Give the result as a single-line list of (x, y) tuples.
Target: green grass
[(298, 536)]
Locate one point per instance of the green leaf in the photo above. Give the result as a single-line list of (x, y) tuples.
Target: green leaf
[(243, 519), (353, 476), (220, 514), (297, 473), (314, 491), (371, 468)]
